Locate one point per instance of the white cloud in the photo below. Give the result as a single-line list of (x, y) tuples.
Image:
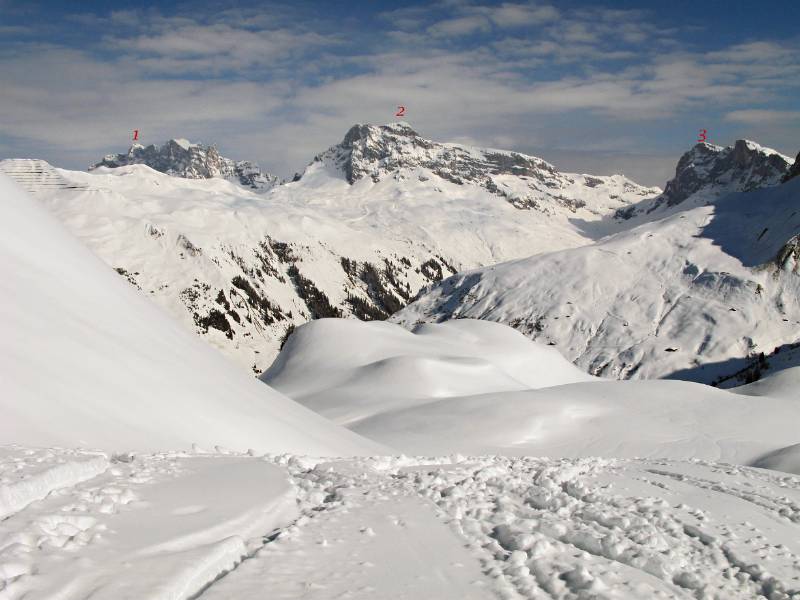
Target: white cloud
[(758, 115)]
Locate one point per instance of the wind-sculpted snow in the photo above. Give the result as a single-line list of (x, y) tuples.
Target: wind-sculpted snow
[(689, 296), (194, 161), (242, 269), (477, 387), (87, 360)]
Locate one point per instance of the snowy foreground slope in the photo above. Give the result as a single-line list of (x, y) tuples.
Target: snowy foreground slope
[(173, 526), (478, 387), (370, 222), (86, 360), (689, 296)]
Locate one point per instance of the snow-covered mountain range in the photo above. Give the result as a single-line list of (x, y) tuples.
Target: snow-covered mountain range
[(366, 226), (690, 295), (181, 158), (87, 361)]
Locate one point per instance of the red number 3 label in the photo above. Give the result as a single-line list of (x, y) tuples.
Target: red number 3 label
[(401, 111)]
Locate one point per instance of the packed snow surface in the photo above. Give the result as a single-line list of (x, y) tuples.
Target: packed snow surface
[(87, 360), (690, 296), (176, 526), (482, 388)]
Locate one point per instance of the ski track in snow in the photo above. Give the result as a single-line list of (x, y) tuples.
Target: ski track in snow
[(399, 527)]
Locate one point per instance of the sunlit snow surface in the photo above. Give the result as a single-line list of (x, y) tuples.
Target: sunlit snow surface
[(479, 387), (169, 526), (85, 360), (689, 296)]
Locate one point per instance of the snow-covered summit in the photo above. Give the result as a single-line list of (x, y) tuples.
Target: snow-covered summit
[(378, 152), (181, 158), (708, 171)]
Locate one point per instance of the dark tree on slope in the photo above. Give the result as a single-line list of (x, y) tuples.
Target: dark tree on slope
[(317, 302)]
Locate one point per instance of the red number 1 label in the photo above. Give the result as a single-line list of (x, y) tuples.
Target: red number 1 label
[(702, 137), (401, 111), (135, 134)]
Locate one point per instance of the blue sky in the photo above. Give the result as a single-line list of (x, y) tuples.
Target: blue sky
[(595, 87)]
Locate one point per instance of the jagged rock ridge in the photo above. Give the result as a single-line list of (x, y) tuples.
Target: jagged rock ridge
[(794, 171), (181, 158), (708, 171), (396, 150)]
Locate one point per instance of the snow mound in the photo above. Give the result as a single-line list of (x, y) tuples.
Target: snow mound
[(85, 360), (389, 368), (477, 387)]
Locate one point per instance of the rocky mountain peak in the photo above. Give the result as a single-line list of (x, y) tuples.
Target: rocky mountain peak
[(794, 171), (181, 158), (742, 167), (396, 150)]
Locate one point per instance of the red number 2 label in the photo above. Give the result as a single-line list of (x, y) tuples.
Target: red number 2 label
[(702, 137), (401, 111), (135, 134)]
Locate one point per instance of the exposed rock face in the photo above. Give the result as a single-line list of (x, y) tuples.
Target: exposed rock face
[(794, 171), (192, 161), (380, 151), (708, 171)]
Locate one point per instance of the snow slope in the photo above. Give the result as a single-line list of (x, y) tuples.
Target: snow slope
[(481, 388), (690, 296), (369, 223), (85, 360), (168, 526)]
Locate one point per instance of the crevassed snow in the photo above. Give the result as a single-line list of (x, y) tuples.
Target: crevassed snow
[(481, 388), (87, 361)]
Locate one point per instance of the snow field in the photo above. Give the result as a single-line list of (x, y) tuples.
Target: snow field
[(479, 387), (540, 528), (155, 526)]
